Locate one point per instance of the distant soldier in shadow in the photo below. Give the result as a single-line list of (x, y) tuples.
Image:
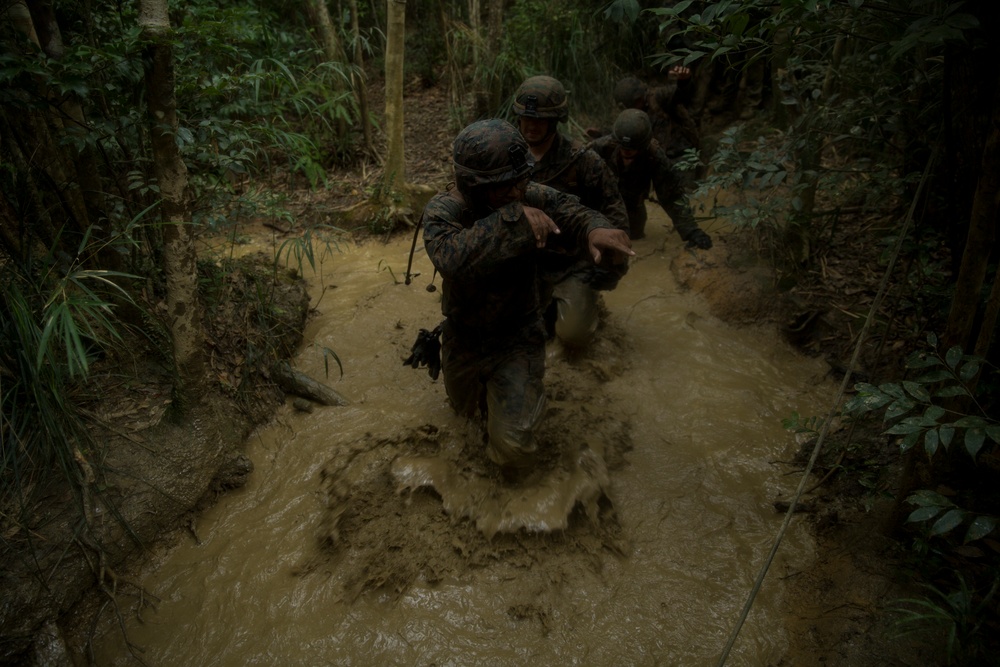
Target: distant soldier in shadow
[(674, 128), (639, 163)]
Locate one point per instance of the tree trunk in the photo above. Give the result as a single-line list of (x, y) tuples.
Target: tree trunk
[(358, 80), (40, 130), (86, 172), (456, 93), (494, 33), (475, 21), (179, 258), (319, 15), (298, 383), (395, 174), (980, 241)]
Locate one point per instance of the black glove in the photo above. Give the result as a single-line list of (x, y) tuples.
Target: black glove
[(426, 350), (699, 239)]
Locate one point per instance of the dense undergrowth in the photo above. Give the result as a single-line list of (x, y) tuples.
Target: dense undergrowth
[(868, 150)]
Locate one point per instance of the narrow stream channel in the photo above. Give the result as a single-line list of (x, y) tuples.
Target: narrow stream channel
[(703, 402)]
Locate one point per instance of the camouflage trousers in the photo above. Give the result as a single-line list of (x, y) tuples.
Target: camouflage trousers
[(500, 379), (636, 220), (571, 307)]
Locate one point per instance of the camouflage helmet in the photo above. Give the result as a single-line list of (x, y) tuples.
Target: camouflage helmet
[(490, 151), (541, 97), (632, 129), (630, 92)]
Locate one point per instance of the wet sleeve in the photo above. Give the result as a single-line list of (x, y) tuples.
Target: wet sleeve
[(458, 251), (599, 178), (670, 193), (664, 95), (575, 221), (603, 149)]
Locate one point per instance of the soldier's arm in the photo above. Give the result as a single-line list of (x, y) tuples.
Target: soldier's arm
[(457, 251), (670, 193), (588, 229), (599, 178)]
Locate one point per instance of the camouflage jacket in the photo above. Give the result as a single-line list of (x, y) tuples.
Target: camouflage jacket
[(488, 260), (673, 125), (570, 167), (650, 167)]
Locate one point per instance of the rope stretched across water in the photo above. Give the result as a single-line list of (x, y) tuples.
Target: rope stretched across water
[(876, 304)]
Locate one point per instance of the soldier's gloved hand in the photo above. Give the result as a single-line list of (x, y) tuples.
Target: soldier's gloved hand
[(699, 239), (426, 351)]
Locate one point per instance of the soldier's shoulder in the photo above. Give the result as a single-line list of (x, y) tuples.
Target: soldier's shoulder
[(449, 203), (656, 152)]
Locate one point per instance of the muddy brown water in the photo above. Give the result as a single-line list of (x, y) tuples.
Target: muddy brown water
[(667, 453)]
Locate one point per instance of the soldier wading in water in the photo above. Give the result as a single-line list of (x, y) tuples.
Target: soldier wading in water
[(485, 236), (570, 282), (638, 161)]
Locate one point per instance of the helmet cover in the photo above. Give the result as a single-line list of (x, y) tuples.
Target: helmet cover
[(541, 97), (632, 129), (490, 152)]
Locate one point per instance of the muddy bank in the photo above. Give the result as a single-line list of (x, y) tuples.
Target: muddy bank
[(154, 468)]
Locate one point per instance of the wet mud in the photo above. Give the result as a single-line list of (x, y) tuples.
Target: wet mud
[(379, 533)]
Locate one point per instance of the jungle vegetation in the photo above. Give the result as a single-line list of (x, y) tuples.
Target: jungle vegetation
[(129, 129)]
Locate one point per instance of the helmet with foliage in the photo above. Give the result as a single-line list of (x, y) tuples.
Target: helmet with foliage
[(490, 152), (632, 129), (630, 92), (541, 97)]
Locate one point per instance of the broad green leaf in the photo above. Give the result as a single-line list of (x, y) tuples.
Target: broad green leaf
[(924, 514), (892, 389), (866, 403), (953, 356), (993, 432), (935, 376), (963, 21), (934, 413), (922, 360), (907, 443), (931, 442), (980, 527), (953, 390), (691, 57), (926, 498), (947, 433), (917, 391), (952, 519), (903, 429), (971, 422), (974, 438), (899, 408), (969, 370), (738, 23), (932, 340)]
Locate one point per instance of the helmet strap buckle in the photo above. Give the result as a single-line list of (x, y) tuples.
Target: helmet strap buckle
[(518, 157)]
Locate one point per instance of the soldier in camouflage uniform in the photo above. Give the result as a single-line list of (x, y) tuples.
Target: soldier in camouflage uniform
[(638, 162), (486, 236), (568, 282), (673, 127)]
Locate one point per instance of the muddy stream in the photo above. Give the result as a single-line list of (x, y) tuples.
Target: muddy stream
[(377, 533)]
